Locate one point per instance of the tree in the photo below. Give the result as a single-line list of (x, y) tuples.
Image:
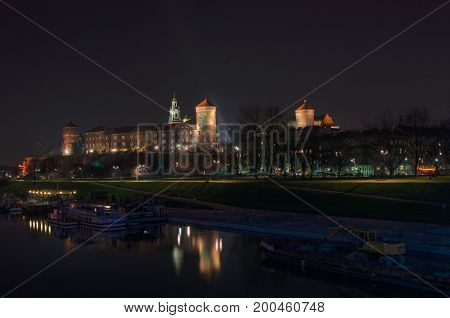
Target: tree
[(436, 152), (415, 126), (311, 150), (391, 141), (49, 166), (340, 150), (261, 125)]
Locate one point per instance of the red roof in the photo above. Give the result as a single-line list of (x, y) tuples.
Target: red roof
[(205, 103)]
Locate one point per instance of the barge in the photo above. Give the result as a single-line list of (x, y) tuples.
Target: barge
[(367, 262)]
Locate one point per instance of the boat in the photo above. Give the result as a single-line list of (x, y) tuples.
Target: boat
[(97, 217), (363, 262), (101, 222), (151, 212), (10, 204), (62, 218), (15, 209)]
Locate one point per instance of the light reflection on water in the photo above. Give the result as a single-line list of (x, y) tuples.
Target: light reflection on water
[(40, 226), (207, 246), (150, 261)]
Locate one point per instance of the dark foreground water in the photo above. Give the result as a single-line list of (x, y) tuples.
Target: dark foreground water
[(153, 261)]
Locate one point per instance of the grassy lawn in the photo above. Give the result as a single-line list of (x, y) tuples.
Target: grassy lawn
[(422, 189), (263, 194)]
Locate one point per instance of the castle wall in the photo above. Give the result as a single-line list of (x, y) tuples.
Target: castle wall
[(206, 123), (304, 118), (71, 141)]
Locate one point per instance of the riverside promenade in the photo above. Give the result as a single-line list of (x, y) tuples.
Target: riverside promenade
[(418, 237)]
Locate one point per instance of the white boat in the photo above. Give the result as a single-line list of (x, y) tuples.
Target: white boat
[(101, 222), (62, 218), (98, 217), (152, 212)]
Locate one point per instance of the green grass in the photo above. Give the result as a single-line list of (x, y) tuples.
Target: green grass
[(422, 189), (263, 194)]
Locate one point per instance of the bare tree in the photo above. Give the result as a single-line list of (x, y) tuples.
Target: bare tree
[(416, 126), (311, 151), (391, 141), (437, 147), (340, 150), (261, 124)]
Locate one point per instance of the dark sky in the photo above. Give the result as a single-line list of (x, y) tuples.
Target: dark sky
[(236, 53)]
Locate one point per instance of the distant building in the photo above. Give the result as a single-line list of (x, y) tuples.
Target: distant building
[(123, 139), (178, 134), (97, 140), (324, 120), (206, 122), (174, 112), (27, 166), (168, 138), (305, 117), (71, 140)]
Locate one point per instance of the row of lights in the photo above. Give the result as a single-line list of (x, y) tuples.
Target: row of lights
[(49, 192)]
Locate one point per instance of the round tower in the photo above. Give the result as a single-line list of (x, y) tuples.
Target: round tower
[(304, 116), (71, 140), (206, 121)]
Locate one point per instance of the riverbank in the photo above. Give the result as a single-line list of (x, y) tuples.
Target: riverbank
[(347, 198), (419, 238)]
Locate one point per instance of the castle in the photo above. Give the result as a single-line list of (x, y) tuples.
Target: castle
[(177, 134), (305, 117)]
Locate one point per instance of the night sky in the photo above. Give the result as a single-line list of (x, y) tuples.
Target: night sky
[(234, 53)]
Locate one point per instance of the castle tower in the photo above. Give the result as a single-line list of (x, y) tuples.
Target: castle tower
[(174, 112), (304, 116), (71, 140), (206, 121)]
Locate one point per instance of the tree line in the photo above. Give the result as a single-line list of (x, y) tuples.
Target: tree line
[(393, 140)]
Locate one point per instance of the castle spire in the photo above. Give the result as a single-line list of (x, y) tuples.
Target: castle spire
[(174, 112)]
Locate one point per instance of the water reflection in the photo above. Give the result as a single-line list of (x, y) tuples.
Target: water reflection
[(39, 226), (156, 261), (205, 246)]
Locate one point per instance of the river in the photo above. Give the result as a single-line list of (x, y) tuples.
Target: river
[(152, 261)]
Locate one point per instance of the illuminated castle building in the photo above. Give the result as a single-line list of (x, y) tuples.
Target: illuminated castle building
[(206, 122), (71, 140), (305, 117), (174, 112), (177, 135)]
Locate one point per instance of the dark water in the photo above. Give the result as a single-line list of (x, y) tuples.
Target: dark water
[(152, 261)]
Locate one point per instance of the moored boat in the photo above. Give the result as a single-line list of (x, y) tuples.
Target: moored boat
[(98, 217), (354, 263), (15, 210), (151, 212), (62, 218)]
